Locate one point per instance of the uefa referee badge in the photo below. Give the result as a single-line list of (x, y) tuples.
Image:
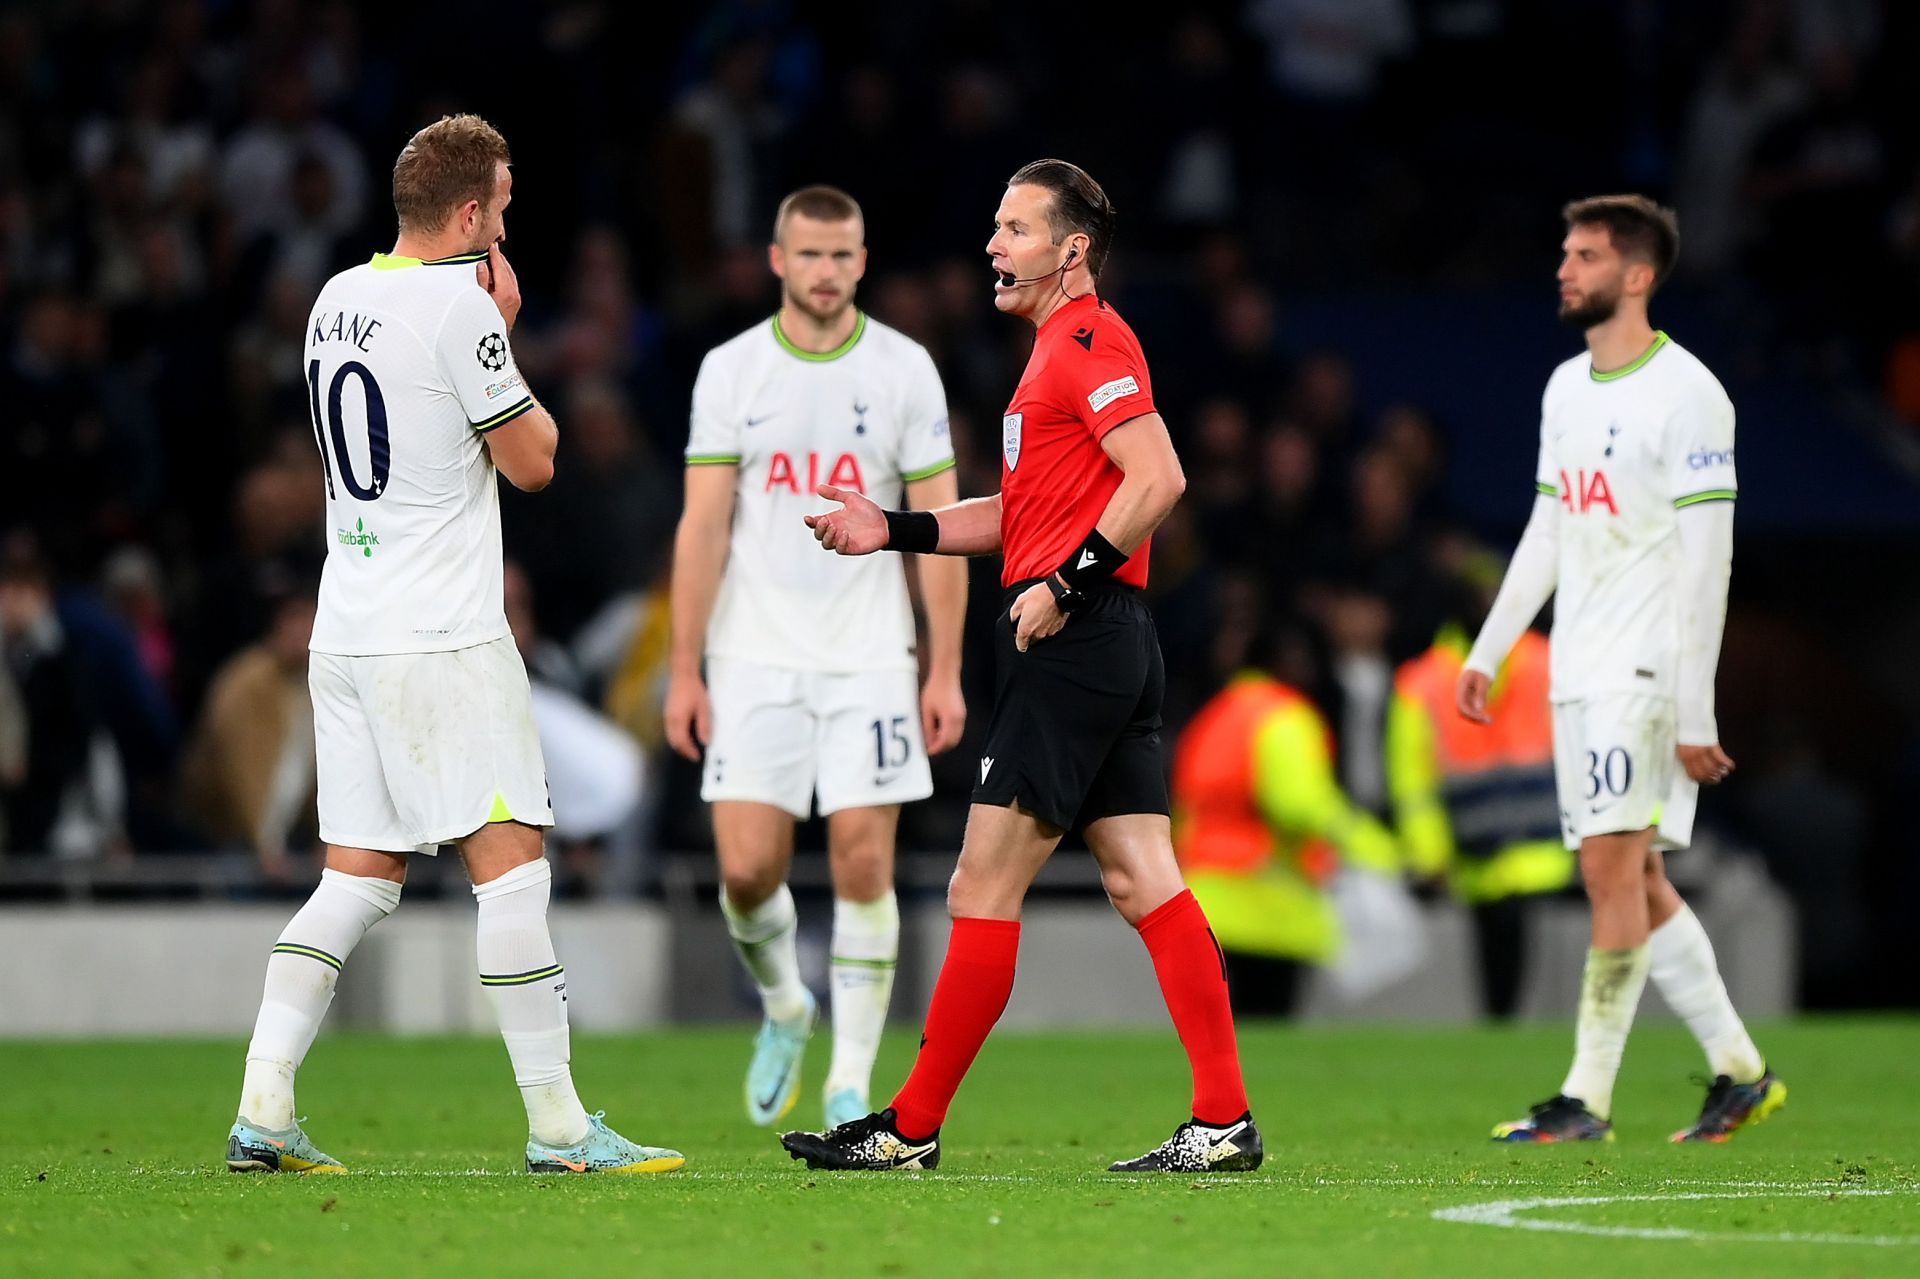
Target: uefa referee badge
[(1010, 438)]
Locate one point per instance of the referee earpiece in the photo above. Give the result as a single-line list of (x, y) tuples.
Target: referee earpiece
[(1071, 255)]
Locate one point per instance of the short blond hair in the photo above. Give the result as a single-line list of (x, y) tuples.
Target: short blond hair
[(451, 161), (822, 204)]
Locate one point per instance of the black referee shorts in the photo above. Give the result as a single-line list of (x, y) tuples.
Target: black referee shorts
[(1075, 733)]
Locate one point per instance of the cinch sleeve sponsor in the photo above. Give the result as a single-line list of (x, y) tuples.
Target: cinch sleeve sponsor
[(478, 361), (713, 429), (1698, 450), (926, 447), (1111, 381)]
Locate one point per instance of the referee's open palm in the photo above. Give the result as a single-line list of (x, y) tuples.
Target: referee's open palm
[(857, 528)]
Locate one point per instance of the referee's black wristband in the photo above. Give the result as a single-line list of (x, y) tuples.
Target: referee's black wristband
[(913, 531), (1094, 562)]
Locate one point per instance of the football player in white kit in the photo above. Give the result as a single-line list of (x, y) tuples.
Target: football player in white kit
[(1632, 534), (812, 686), (423, 721)]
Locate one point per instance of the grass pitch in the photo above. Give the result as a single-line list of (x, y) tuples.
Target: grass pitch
[(110, 1163)]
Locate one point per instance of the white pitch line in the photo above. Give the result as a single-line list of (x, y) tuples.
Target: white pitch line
[(1505, 1213)]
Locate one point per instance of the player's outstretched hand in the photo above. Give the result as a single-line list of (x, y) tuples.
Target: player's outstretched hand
[(496, 277), (689, 716), (857, 528), (1036, 615), (1470, 696), (1708, 765), (943, 714)]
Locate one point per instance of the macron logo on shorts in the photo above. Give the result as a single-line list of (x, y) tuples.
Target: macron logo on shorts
[(986, 766), (1101, 396)]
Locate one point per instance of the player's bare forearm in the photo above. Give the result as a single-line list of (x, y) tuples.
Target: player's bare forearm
[(1151, 481), (699, 559), (943, 584), (943, 580), (971, 527)]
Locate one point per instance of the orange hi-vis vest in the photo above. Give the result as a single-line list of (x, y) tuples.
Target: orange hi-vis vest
[(1495, 781), (1218, 823)]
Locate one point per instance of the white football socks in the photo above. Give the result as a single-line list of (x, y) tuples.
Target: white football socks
[(528, 990), (765, 938), (301, 973), (1609, 996), (866, 946), (1688, 977)]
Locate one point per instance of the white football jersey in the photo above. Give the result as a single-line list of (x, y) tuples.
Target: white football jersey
[(871, 417), (407, 364), (1625, 452)]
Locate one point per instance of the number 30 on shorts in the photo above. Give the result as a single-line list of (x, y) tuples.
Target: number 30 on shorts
[(1612, 772)]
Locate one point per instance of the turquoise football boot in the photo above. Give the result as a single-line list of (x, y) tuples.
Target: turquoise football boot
[(773, 1079), (602, 1150), (251, 1148)]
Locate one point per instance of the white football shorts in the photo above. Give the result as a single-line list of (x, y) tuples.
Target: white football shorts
[(1616, 770), (416, 750), (783, 736)]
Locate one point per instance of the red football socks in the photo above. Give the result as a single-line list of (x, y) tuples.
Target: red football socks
[(975, 983), (1193, 979)]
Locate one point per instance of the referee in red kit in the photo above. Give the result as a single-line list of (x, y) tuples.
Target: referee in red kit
[(1074, 742)]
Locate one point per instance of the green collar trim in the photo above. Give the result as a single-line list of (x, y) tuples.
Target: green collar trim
[(1660, 339), (400, 262), (820, 357)]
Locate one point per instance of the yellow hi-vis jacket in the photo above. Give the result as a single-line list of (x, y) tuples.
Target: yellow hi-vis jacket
[(1476, 802), (1260, 822)]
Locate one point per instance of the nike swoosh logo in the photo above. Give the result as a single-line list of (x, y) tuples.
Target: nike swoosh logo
[(281, 1144), (772, 1099), (568, 1163), (755, 421)]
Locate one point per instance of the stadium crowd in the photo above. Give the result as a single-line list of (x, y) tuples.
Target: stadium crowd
[(177, 179)]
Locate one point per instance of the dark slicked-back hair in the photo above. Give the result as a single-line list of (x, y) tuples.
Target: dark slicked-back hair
[(1079, 204), (1638, 227), (822, 204), (451, 161)]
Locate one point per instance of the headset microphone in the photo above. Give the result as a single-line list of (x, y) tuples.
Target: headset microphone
[(1008, 279)]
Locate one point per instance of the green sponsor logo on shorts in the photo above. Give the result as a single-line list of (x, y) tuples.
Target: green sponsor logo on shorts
[(359, 537)]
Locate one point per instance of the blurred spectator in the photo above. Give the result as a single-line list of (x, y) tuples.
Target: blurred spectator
[(1474, 804), (1261, 825), (13, 743), (135, 590), (1817, 180), (596, 773), (259, 163), (609, 494), (248, 779), (737, 125), (69, 799), (1745, 92)]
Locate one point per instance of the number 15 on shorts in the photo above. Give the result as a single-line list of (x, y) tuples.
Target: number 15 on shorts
[(892, 748)]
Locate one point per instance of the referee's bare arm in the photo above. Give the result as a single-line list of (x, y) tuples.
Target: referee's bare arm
[(1151, 482), (859, 527)]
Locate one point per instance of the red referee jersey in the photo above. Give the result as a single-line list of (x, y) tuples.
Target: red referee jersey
[(1086, 376)]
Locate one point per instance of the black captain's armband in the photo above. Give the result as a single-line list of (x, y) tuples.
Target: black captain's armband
[(913, 532)]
